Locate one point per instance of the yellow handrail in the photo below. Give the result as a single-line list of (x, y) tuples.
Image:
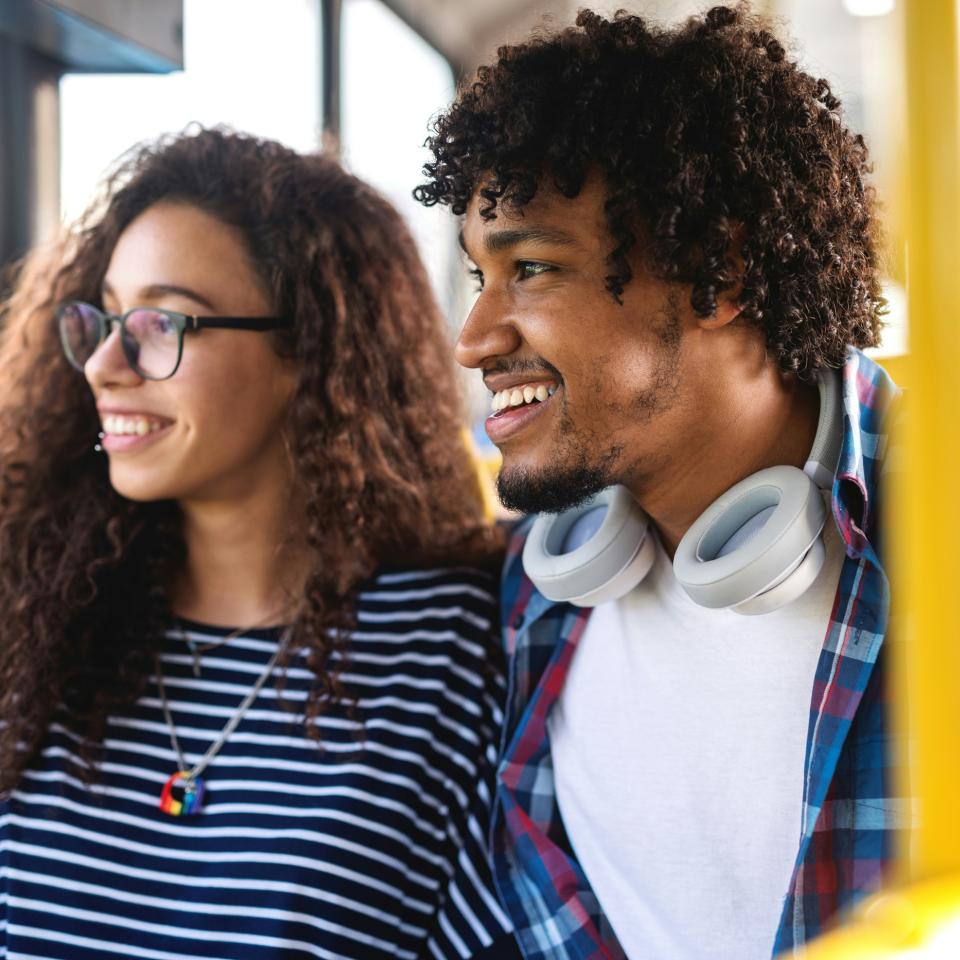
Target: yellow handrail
[(927, 512), (920, 915)]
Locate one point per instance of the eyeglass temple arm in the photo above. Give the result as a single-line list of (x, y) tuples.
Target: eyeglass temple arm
[(238, 323)]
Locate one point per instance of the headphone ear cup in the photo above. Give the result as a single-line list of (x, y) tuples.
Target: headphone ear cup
[(756, 548), (616, 554), (796, 583), (753, 549)]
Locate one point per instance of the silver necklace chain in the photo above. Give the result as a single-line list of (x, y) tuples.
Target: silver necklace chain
[(194, 772), (197, 650)]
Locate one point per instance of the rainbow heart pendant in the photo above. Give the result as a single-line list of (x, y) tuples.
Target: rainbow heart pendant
[(182, 795)]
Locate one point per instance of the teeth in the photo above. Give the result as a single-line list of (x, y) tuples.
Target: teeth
[(130, 426), (518, 396)]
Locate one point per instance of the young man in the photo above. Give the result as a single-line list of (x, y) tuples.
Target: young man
[(676, 250)]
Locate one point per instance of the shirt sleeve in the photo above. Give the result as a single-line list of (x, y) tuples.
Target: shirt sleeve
[(470, 923)]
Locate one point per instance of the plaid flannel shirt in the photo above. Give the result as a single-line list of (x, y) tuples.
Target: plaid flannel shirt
[(850, 814)]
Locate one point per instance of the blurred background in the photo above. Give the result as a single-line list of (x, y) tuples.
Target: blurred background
[(83, 80)]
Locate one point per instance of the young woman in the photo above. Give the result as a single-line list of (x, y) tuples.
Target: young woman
[(249, 695)]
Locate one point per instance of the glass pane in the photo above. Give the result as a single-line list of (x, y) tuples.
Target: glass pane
[(247, 63), (386, 112)]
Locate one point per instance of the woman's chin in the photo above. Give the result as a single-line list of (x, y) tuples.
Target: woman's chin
[(143, 486)]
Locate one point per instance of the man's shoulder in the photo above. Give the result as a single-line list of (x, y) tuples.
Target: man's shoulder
[(872, 402), (870, 394), (517, 532), (515, 587)]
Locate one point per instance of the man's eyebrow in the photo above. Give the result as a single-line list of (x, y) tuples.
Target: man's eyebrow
[(157, 290), (499, 240)]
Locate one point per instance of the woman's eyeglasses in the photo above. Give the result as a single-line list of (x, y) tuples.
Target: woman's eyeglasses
[(152, 339)]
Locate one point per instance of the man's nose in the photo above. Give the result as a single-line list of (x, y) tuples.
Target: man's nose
[(489, 332)]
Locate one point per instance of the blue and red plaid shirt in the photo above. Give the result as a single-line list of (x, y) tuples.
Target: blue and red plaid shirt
[(850, 811)]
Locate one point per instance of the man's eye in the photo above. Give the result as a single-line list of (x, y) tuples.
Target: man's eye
[(477, 276), (531, 268)]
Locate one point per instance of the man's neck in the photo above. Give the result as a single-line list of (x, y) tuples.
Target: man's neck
[(763, 422)]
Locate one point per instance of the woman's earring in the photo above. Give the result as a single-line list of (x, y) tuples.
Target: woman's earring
[(98, 447)]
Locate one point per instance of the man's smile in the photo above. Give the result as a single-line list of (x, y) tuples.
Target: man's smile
[(522, 393), (517, 405)]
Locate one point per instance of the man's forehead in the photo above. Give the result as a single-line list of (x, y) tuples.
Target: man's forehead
[(548, 218)]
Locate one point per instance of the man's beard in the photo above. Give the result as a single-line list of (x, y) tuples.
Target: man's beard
[(556, 489), (578, 474)]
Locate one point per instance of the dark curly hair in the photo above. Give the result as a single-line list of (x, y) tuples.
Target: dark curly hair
[(725, 163), (374, 431)]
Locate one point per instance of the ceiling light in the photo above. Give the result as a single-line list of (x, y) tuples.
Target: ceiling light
[(868, 8)]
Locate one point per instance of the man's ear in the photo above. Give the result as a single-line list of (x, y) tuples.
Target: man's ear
[(728, 303), (728, 309)]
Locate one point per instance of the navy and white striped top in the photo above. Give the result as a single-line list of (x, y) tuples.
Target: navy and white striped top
[(369, 846)]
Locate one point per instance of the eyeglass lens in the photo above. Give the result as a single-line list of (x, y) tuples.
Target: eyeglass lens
[(150, 338), (81, 331)]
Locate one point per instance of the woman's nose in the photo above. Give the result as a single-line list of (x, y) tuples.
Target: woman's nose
[(108, 365)]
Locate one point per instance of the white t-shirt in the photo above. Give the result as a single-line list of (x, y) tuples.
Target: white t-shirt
[(678, 749)]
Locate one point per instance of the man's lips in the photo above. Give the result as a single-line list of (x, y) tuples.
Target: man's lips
[(504, 424), (495, 382)]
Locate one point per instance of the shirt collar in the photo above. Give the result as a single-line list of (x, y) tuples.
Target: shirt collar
[(867, 393)]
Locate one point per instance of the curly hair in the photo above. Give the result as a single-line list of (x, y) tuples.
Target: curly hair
[(374, 434), (726, 165)]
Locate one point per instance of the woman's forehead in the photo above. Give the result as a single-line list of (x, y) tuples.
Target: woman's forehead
[(174, 249)]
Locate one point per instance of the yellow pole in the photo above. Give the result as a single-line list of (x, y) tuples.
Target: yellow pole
[(919, 916), (926, 520)]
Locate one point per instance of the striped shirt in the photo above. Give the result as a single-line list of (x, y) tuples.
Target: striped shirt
[(369, 845)]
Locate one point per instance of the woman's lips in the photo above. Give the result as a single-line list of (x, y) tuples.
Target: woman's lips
[(128, 442)]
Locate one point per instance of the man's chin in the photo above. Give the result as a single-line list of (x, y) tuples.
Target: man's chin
[(552, 490)]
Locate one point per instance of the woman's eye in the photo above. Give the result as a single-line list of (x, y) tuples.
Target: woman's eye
[(531, 268), (477, 276)]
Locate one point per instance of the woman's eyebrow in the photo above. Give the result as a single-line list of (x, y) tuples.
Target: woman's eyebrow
[(157, 290)]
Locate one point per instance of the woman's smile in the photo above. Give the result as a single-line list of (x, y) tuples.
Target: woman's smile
[(127, 431)]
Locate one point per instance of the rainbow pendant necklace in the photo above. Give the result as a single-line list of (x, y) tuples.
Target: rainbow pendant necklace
[(183, 793)]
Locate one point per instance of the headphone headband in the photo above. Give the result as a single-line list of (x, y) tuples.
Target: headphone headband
[(821, 465)]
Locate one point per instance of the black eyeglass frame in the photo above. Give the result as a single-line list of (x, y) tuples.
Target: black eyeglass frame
[(184, 323)]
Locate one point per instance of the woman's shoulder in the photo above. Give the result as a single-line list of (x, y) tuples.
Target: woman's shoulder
[(432, 588), (448, 609)]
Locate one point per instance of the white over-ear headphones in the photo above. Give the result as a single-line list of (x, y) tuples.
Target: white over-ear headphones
[(754, 549)]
